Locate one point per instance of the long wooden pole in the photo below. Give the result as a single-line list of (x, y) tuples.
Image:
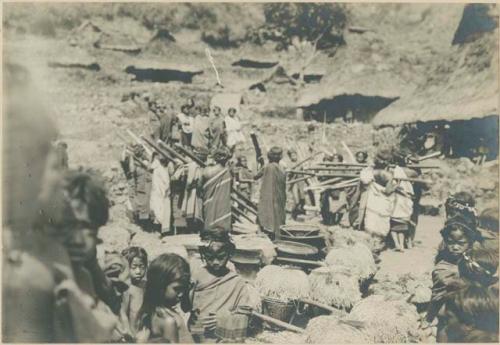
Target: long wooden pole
[(277, 322), (190, 155), (305, 160), (317, 304)]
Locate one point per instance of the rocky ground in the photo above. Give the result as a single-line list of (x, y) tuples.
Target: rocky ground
[(91, 108)]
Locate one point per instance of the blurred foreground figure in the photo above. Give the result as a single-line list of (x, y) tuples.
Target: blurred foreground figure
[(41, 302), (27, 141)]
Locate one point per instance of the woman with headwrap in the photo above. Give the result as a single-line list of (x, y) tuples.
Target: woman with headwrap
[(272, 201)]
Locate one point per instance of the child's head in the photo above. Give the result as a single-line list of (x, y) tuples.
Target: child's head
[(338, 158), (489, 219), (231, 112), (361, 157), (185, 109), (292, 154), (168, 279), (462, 204), (218, 251), (458, 236), (217, 111), (275, 154), (479, 265), (137, 259)]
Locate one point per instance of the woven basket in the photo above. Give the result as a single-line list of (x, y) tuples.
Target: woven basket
[(275, 308)]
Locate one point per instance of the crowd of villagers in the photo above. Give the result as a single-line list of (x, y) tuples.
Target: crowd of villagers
[(56, 290)]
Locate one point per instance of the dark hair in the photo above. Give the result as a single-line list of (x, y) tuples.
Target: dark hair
[(339, 157), (135, 252), (363, 154), (476, 309), (489, 219), (219, 235), (461, 203), (452, 225), (479, 265), (164, 270), (87, 189)]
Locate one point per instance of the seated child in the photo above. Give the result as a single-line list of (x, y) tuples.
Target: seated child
[(458, 237), (216, 288), (167, 281), (471, 312), (137, 259)]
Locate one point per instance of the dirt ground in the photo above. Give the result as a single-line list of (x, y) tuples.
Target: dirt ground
[(88, 110)]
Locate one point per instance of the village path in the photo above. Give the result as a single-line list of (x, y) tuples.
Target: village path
[(420, 259)]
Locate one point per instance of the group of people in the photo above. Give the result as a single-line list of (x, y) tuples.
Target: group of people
[(54, 287), (464, 303), (197, 126), (194, 192), (53, 214)]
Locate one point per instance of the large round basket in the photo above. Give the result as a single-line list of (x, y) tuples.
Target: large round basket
[(278, 309), (300, 230), (296, 250)]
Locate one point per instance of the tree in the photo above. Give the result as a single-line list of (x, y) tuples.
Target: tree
[(310, 22), (307, 27)]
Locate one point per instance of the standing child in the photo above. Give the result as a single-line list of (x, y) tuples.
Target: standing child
[(137, 259), (458, 237), (216, 288), (168, 279)]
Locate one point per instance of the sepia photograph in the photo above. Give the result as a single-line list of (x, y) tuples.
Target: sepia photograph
[(261, 173)]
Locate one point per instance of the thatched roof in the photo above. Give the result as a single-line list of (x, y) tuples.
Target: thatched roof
[(460, 87), (364, 66), (156, 65)]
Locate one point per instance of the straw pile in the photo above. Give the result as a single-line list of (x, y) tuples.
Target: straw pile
[(387, 321), (271, 337), (406, 287), (357, 258), (281, 283), (331, 330), (334, 286), (339, 237)]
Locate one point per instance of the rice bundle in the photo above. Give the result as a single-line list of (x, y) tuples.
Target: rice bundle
[(334, 286), (339, 237), (389, 286), (357, 258), (271, 337), (387, 321), (331, 330), (281, 283)]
